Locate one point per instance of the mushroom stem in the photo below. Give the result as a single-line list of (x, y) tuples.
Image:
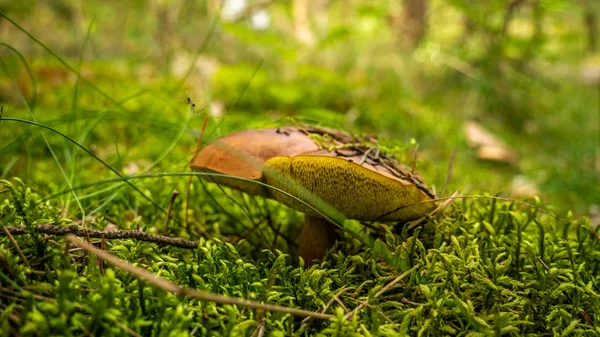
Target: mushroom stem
[(317, 236)]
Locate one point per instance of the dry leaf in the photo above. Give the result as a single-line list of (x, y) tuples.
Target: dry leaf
[(489, 147)]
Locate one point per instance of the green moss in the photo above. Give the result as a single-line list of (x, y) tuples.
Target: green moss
[(484, 267)]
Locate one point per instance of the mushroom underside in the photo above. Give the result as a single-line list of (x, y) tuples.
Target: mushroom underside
[(354, 191)]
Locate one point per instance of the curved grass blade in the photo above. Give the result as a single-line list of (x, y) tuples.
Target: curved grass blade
[(200, 50), (74, 101), (10, 119), (29, 73), (61, 61), (32, 114)]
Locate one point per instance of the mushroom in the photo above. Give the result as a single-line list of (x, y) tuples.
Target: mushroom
[(358, 182)]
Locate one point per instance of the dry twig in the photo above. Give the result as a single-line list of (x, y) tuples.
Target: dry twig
[(14, 242), (449, 172), (61, 230), (329, 303), (173, 197), (383, 290)]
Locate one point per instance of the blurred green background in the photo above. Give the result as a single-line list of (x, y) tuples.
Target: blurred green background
[(513, 86)]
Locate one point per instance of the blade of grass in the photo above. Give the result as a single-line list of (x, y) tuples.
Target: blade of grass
[(200, 50), (74, 110), (32, 114), (258, 66), (449, 173), (29, 73), (10, 119), (61, 61)]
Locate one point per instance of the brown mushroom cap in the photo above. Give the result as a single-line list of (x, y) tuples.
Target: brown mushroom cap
[(242, 154), (357, 185)]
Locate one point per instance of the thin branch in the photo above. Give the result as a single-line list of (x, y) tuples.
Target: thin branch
[(329, 303), (260, 329), (61, 230), (366, 304), (406, 301), (381, 291), (543, 264), (198, 145), (586, 317), (171, 287), (449, 173), (126, 329), (173, 197), (14, 242)]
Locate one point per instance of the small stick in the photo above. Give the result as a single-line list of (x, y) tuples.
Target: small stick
[(414, 163), (329, 303), (14, 242), (171, 287), (377, 153), (87, 236), (337, 299), (364, 156), (100, 262), (198, 145), (366, 304), (66, 250), (381, 291), (127, 329), (586, 317), (61, 230), (260, 329), (543, 264), (450, 168), (406, 301), (173, 197)]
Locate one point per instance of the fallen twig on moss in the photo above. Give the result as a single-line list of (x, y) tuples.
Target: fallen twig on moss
[(12, 240), (381, 291), (62, 230), (171, 287)]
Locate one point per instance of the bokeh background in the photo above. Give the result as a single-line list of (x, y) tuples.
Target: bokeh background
[(511, 86)]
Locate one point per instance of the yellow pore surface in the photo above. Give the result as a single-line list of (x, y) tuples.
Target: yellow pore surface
[(355, 191)]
